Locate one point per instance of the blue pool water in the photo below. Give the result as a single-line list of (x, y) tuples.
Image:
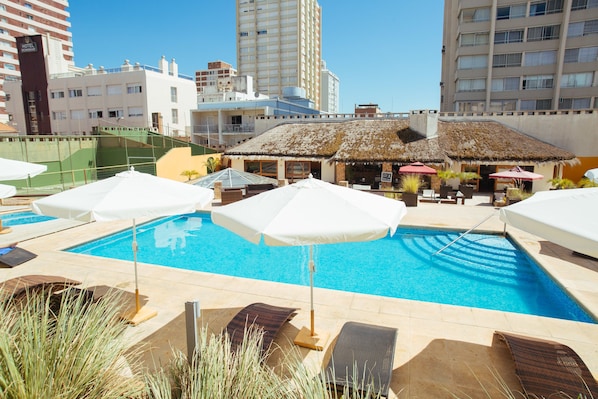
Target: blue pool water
[(483, 271), (26, 217)]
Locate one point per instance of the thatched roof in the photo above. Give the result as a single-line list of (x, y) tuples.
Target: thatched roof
[(391, 140)]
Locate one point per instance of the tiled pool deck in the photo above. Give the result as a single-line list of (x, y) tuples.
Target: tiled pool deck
[(439, 347)]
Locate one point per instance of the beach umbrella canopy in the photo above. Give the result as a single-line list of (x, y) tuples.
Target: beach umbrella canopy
[(17, 170), (517, 174), (127, 195), (232, 178), (417, 168), (308, 213), (565, 217), (7, 191), (592, 174)]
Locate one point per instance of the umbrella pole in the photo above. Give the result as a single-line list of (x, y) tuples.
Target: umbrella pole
[(137, 305), (312, 269)]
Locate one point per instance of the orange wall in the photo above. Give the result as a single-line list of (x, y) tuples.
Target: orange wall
[(576, 172)]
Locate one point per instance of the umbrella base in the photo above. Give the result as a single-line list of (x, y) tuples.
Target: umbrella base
[(306, 340), (135, 318), (5, 230)]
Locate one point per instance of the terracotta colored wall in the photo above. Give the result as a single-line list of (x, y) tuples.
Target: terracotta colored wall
[(576, 172)]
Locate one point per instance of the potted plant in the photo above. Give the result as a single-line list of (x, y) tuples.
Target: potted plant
[(464, 186), (444, 176), (410, 185)]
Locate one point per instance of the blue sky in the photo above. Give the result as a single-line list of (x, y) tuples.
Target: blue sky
[(385, 52)]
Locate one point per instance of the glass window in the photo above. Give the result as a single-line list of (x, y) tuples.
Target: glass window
[(115, 113), (475, 14), (536, 105), (297, 170), (514, 11), (77, 114), (470, 106), (538, 82), (173, 95), (506, 60), (505, 84), (574, 103), (545, 7), (135, 111), (583, 4), (473, 39), (175, 115), (471, 85), (472, 62), (508, 36), (95, 113), (540, 58), (503, 105), (577, 79), (133, 88), (263, 168), (75, 93), (57, 94), (543, 33)]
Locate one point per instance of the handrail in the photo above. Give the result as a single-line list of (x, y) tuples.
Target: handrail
[(462, 235)]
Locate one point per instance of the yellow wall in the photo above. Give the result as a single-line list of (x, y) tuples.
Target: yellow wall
[(576, 172), (177, 160)]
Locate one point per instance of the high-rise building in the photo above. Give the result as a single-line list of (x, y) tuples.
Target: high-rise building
[(217, 76), (330, 90), (279, 44), (24, 18), (505, 55)]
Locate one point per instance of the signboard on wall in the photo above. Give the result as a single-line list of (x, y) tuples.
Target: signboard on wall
[(386, 177)]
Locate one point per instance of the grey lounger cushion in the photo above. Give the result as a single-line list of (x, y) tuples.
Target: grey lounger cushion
[(15, 256), (368, 347)]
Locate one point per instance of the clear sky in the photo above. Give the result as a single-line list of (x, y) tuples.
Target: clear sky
[(385, 52)]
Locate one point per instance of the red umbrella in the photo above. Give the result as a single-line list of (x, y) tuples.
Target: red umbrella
[(516, 173), (417, 168)]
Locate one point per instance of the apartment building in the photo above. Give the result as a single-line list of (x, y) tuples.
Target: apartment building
[(330, 91), (30, 17), (279, 44), (216, 76), (506, 55), (75, 101)]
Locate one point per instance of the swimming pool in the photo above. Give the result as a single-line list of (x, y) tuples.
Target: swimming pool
[(25, 217), (483, 271)]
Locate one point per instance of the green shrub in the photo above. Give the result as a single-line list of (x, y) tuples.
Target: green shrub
[(77, 352), (561, 184), (586, 183), (410, 184)]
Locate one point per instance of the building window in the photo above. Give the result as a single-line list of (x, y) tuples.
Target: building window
[(94, 91), (475, 15), (262, 32), (583, 4), (57, 94), (574, 103), (471, 85), (577, 79), (472, 62), (95, 113), (538, 82), (505, 84), (583, 28), (545, 7), (536, 105), (115, 113), (508, 36), (473, 39), (297, 170), (58, 115), (243, 34), (540, 58), (77, 114), (175, 115), (506, 60), (114, 90), (135, 111), (509, 12), (263, 168), (584, 54), (470, 106), (543, 33), (75, 93), (173, 95), (133, 88), (502, 105)]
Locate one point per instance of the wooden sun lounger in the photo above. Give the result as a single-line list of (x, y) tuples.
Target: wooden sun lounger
[(366, 352), (20, 285), (548, 369), (269, 318)]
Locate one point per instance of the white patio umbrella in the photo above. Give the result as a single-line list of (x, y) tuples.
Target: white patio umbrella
[(565, 217), (311, 212), (17, 170), (232, 178), (127, 195), (7, 191), (592, 174)]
